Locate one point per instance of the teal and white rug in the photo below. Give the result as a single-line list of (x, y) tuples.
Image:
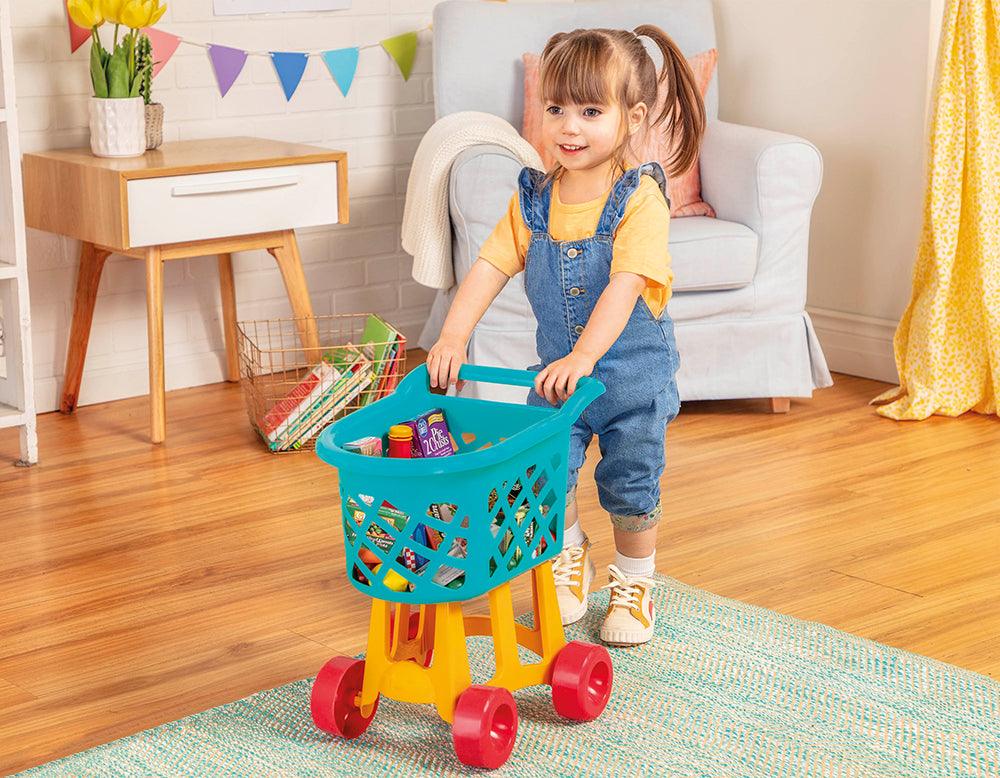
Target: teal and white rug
[(724, 689)]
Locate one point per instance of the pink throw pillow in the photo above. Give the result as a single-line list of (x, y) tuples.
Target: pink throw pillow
[(685, 189)]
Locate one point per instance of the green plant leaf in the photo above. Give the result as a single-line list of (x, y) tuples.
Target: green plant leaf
[(97, 76), (118, 81), (136, 86)]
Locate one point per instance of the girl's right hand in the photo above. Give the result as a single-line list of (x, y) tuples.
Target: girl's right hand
[(443, 361)]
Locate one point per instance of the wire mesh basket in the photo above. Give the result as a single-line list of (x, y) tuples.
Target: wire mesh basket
[(300, 375)]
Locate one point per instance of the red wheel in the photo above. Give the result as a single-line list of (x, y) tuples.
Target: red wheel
[(581, 681), (412, 633), (485, 726), (334, 699)]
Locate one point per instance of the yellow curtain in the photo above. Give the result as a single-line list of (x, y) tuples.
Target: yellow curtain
[(947, 345)]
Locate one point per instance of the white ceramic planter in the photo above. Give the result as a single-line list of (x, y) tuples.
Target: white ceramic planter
[(117, 126)]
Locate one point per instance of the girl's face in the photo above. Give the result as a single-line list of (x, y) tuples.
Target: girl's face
[(581, 137)]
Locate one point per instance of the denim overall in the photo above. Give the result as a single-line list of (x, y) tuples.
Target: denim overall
[(564, 280)]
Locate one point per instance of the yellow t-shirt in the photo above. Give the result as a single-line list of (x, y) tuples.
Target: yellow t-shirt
[(640, 242)]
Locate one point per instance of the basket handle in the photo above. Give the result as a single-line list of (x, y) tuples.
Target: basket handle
[(587, 389)]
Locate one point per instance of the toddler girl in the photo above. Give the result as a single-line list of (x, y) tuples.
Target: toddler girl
[(591, 235)]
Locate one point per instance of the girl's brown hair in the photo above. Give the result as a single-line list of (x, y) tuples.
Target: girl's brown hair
[(604, 67)]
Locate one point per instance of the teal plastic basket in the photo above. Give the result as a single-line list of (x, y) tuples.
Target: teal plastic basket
[(455, 527)]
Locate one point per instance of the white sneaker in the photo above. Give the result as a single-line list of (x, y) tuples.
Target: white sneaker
[(573, 571), (630, 617)]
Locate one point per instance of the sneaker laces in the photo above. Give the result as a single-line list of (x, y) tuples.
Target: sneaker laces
[(567, 565), (625, 589)]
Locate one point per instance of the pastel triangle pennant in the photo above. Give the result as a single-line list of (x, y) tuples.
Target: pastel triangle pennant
[(289, 65), (77, 35), (403, 49), (164, 45), (227, 63), (342, 64)]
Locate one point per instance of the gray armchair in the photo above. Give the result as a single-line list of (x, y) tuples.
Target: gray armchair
[(740, 279)]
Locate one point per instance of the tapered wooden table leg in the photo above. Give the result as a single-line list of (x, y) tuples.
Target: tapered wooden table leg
[(290, 265), (87, 280), (154, 327), (228, 287)]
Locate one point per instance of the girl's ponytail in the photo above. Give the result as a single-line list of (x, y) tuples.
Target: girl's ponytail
[(683, 109)]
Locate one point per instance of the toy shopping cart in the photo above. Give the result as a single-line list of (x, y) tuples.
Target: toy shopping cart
[(423, 535)]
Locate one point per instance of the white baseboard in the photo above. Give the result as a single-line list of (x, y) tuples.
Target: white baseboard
[(856, 344), (118, 383)]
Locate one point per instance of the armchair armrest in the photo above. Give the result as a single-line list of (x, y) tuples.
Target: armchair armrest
[(767, 181), (483, 178), (749, 174)]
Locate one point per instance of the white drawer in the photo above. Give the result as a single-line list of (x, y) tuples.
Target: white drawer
[(173, 209)]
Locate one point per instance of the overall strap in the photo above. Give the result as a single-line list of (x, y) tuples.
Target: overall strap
[(535, 199), (625, 186)]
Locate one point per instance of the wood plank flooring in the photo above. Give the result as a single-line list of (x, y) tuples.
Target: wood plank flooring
[(139, 584)]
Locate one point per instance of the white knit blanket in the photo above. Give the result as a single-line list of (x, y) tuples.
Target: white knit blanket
[(426, 224)]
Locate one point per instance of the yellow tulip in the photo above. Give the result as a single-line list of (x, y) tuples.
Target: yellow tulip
[(85, 13), (112, 10), (158, 11), (134, 14), (137, 14)]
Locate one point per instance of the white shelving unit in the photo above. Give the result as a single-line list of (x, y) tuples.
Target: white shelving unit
[(17, 393)]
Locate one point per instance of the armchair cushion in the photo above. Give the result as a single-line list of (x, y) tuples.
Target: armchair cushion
[(709, 254)]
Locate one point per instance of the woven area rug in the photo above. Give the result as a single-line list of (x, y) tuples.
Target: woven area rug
[(724, 689)]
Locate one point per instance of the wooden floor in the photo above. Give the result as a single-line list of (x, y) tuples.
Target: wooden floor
[(139, 584)]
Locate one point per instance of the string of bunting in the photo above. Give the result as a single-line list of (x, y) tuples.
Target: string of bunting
[(227, 61)]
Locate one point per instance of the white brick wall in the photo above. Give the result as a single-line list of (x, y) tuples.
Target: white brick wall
[(355, 267)]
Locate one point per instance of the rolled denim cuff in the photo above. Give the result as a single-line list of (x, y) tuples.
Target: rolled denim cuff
[(571, 496), (638, 523)]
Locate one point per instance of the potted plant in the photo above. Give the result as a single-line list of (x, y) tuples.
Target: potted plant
[(117, 109), (154, 111)]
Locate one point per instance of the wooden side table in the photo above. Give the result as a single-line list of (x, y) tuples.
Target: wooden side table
[(187, 199)]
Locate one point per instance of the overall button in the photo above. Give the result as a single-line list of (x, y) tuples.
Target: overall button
[(578, 329), (572, 253), (575, 291)]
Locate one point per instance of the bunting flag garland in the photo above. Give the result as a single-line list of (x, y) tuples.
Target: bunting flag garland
[(342, 64), (228, 62), (403, 49), (77, 35), (289, 65), (164, 45)]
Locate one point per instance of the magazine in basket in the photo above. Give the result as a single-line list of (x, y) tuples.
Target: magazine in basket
[(291, 400)]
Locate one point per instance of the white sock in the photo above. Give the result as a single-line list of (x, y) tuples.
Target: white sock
[(643, 566), (574, 535)]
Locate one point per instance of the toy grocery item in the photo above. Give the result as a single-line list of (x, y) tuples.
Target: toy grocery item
[(400, 441), (369, 446), (478, 519), (431, 435)]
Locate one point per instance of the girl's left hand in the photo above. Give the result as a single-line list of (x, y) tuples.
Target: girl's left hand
[(557, 381)]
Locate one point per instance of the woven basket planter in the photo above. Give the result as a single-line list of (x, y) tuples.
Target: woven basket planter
[(154, 125)]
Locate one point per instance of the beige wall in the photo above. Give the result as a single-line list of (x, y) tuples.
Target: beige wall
[(852, 77)]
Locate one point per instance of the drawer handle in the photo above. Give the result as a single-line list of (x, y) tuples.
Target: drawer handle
[(190, 190)]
